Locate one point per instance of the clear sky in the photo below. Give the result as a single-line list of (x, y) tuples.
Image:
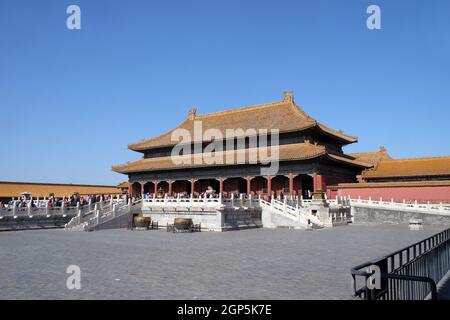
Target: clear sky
[(71, 100)]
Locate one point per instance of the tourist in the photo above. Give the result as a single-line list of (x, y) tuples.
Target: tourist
[(22, 204), (74, 200), (52, 201)]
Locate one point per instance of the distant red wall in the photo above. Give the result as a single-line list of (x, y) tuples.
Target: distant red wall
[(421, 194)]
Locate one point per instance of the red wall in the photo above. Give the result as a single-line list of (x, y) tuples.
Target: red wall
[(421, 194)]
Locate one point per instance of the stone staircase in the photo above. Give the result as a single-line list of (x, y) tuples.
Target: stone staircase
[(276, 214), (113, 214)]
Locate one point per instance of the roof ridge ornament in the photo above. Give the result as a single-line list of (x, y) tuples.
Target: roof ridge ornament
[(192, 113), (288, 96)]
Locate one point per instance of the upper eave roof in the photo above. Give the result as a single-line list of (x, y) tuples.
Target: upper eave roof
[(283, 115)]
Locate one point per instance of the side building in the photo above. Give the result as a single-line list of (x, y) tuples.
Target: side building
[(9, 189), (414, 179)]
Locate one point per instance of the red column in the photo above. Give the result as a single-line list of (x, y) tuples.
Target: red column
[(220, 185), (170, 187), (156, 186), (291, 184), (249, 185), (130, 188), (142, 187), (318, 182), (300, 186), (192, 186), (269, 185)]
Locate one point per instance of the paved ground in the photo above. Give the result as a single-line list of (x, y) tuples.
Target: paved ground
[(253, 264)]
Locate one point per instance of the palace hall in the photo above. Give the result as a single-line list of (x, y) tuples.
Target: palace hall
[(310, 155)]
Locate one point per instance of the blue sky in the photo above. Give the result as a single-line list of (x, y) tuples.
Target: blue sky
[(71, 100)]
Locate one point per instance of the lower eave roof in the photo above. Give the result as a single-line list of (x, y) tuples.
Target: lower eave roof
[(299, 151)]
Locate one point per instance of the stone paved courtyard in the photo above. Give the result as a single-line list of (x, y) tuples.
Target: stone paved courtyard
[(249, 264)]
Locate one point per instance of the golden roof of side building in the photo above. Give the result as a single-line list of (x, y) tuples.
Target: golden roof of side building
[(123, 185), (414, 167), (10, 189), (372, 157), (283, 115), (298, 151)]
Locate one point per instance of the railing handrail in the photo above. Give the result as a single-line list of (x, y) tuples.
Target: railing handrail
[(427, 246), (431, 207), (431, 282), (366, 264)]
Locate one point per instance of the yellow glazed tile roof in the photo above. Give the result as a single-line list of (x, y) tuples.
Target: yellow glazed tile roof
[(414, 167), (14, 189), (299, 151), (372, 157), (283, 115)]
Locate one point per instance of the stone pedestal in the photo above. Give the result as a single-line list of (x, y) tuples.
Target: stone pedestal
[(320, 208)]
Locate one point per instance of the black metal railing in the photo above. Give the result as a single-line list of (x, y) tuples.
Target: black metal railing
[(407, 274)]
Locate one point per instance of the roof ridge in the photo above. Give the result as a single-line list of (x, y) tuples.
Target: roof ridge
[(245, 108), (337, 156), (158, 136), (380, 150), (301, 112), (339, 132), (364, 152), (413, 159)]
